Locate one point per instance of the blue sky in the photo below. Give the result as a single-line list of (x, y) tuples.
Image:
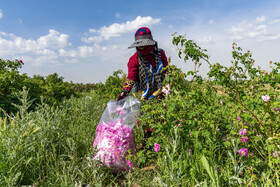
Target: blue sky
[(86, 41)]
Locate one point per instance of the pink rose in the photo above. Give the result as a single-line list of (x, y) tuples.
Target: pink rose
[(244, 139), (265, 98), (243, 152), (129, 163), (243, 132), (156, 147), (238, 117), (166, 89)]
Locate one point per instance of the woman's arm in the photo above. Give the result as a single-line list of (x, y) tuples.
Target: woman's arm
[(127, 87)]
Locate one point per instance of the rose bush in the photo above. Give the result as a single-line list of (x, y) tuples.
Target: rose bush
[(212, 110)]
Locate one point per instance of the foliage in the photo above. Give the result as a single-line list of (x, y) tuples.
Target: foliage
[(113, 85), (208, 115), (52, 145), (10, 82), (52, 87)]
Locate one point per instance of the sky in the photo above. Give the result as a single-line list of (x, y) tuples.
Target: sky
[(85, 41)]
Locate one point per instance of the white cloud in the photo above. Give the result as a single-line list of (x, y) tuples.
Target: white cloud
[(274, 21), (45, 50), (85, 51), (38, 61), (93, 39), (1, 14), (259, 29), (92, 30), (117, 29), (72, 61), (69, 53), (206, 40), (261, 19), (44, 45), (240, 28), (272, 37), (53, 40), (211, 22)]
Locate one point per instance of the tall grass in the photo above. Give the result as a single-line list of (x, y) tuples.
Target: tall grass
[(52, 146)]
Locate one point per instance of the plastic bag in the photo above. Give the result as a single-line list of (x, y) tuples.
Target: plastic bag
[(114, 138)]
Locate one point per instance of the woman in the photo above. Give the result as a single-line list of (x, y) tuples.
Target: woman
[(145, 73)]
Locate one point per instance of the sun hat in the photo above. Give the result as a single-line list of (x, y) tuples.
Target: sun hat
[(143, 37)]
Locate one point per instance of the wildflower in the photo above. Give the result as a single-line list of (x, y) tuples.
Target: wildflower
[(190, 134), (243, 132), (181, 120), (238, 117), (129, 163), (252, 86), (249, 125), (265, 72), (179, 125), (221, 102), (104, 104), (276, 109), (244, 139), (166, 89), (162, 116), (219, 120), (265, 98), (190, 152), (7, 114), (243, 152), (20, 61), (156, 147), (275, 154), (164, 104)]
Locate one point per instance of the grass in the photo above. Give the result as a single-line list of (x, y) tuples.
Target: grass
[(53, 147)]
